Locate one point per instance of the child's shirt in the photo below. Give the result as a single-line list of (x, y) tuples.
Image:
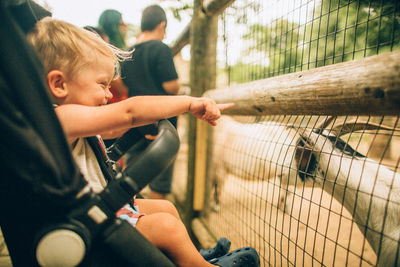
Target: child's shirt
[(88, 165), (90, 168)]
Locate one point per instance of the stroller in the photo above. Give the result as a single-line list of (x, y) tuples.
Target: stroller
[(49, 216)]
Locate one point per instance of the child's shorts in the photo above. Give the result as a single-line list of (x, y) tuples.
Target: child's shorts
[(130, 214)]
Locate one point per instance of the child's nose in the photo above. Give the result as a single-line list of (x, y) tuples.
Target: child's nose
[(109, 95)]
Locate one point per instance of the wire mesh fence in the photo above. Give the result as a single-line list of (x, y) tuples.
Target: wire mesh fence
[(261, 39), (305, 190), (308, 190)]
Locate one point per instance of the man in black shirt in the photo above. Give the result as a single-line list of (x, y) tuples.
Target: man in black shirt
[(152, 72)]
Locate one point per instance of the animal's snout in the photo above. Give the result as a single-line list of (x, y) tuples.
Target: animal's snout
[(305, 159)]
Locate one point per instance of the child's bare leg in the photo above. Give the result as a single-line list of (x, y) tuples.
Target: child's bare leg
[(169, 234), (150, 206)]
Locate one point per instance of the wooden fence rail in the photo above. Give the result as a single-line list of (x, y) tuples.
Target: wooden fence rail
[(368, 86)]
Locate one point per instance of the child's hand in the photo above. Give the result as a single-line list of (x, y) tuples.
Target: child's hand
[(206, 109), (150, 137)]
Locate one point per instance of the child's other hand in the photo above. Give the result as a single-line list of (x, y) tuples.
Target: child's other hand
[(206, 109), (150, 137)]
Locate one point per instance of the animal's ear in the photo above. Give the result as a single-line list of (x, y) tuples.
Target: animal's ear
[(355, 126), (55, 81), (344, 147), (305, 159)]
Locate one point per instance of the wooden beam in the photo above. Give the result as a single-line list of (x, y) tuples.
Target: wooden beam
[(368, 86), (200, 165), (216, 7), (204, 35), (211, 8), (182, 40)]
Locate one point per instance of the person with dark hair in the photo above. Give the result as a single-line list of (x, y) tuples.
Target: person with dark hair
[(152, 72), (152, 16), (111, 22)]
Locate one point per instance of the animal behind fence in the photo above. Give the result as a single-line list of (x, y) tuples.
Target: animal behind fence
[(307, 189)]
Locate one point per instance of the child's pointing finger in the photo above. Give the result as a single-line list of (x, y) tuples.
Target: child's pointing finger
[(225, 106)]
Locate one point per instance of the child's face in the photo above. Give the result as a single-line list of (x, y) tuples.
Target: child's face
[(91, 86)]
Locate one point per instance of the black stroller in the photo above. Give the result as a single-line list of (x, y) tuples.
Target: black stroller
[(48, 215)]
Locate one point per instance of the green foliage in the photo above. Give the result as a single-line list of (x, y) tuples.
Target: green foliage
[(178, 7), (241, 72), (335, 31)]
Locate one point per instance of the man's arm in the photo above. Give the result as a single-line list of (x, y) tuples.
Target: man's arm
[(172, 87)]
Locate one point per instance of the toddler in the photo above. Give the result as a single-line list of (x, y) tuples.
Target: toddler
[(80, 67)]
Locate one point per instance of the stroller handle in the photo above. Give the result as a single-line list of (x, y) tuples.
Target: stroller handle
[(132, 139), (147, 160)]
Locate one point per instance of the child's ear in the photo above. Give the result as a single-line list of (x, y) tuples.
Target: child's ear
[(56, 80)]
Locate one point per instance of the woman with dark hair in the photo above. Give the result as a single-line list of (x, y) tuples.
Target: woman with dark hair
[(111, 22)]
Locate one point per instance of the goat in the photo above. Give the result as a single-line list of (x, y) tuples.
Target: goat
[(368, 190), (252, 151)]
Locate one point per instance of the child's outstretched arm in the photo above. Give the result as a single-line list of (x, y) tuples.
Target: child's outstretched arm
[(114, 119)]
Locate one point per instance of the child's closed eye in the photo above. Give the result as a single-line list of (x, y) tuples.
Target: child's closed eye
[(105, 85)]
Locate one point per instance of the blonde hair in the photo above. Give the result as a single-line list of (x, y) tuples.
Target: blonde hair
[(65, 47)]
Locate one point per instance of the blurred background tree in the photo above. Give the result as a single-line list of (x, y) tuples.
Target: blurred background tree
[(334, 31)]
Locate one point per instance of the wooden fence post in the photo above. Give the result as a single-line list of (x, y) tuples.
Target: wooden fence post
[(203, 36)]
